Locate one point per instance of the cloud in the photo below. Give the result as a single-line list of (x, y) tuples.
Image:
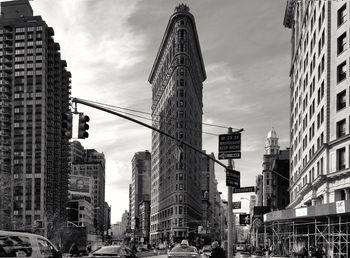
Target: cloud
[(110, 47)]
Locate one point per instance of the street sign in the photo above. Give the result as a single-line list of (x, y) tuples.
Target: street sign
[(244, 189), (230, 155), (236, 205), (230, 146), (233, 178)]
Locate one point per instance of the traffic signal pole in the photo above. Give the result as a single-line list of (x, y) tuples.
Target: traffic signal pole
[(229, 211), (87, 103)]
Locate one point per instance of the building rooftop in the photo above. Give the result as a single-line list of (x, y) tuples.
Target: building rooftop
[(272, 133)]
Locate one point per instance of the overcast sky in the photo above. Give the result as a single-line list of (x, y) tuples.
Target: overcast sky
[(110, 47)]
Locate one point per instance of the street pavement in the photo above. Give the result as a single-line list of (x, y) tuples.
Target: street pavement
[(237, 255)]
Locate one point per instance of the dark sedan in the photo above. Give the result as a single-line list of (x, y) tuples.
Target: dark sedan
[(113, 251), (183, 251)]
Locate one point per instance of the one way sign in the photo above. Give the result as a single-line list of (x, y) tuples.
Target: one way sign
[(233, 178)]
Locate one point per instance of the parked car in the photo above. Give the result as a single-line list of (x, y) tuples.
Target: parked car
[(111, 251), (184, 250), (20, 244)]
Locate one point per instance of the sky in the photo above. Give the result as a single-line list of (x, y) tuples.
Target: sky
[(110, 47)]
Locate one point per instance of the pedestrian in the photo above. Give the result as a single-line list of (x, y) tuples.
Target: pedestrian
[(88, 248), (73, 250), (217, 251), (303, 252), (312, 251), (319, 252)]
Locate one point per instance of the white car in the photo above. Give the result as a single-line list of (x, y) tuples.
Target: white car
[(19, 244)]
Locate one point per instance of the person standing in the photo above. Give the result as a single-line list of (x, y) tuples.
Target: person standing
[(217, 251)]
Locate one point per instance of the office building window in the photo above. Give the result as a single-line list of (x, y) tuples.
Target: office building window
[(341, 100), (341, 71), (341, 159), (341, 15), (341, 43), (341, 128)]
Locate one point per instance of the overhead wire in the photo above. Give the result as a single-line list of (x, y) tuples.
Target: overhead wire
[(150, 119), (147, 113)]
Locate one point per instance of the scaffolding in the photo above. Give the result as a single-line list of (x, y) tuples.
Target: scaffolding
[(329, 233)]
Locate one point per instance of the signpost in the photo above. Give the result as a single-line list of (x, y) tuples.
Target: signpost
[(230, 146), (233, 178), (244, 189)]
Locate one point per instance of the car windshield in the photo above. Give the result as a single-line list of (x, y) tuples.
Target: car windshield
[(108, 250), (183, 249)]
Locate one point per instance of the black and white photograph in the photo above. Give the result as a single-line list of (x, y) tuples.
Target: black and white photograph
[(174, 129)]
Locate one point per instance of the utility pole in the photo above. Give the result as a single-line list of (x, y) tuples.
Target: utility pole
[(229, 211)]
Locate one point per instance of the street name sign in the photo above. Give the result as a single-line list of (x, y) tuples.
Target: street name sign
[(233, 178), (230, 155), (244, 189), (230, 146), (236, 205)]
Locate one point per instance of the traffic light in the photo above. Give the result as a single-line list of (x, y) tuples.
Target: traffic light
[(67, 119), (83, 126), (244, 219)]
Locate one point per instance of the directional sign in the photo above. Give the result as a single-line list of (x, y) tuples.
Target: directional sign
[(230, 155), (233, 178), (236, 205), (244, 189), (229, 144)]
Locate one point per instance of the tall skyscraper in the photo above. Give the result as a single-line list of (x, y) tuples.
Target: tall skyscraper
[(319, 129), (319, 101), (176, 77), (140, 187), (35, 90)]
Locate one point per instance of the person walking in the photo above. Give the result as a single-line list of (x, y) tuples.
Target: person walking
[(217, 251)]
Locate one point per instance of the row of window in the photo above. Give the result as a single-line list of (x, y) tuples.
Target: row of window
[(28, 44), (24, 29), (307, 178), (29, 36)]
